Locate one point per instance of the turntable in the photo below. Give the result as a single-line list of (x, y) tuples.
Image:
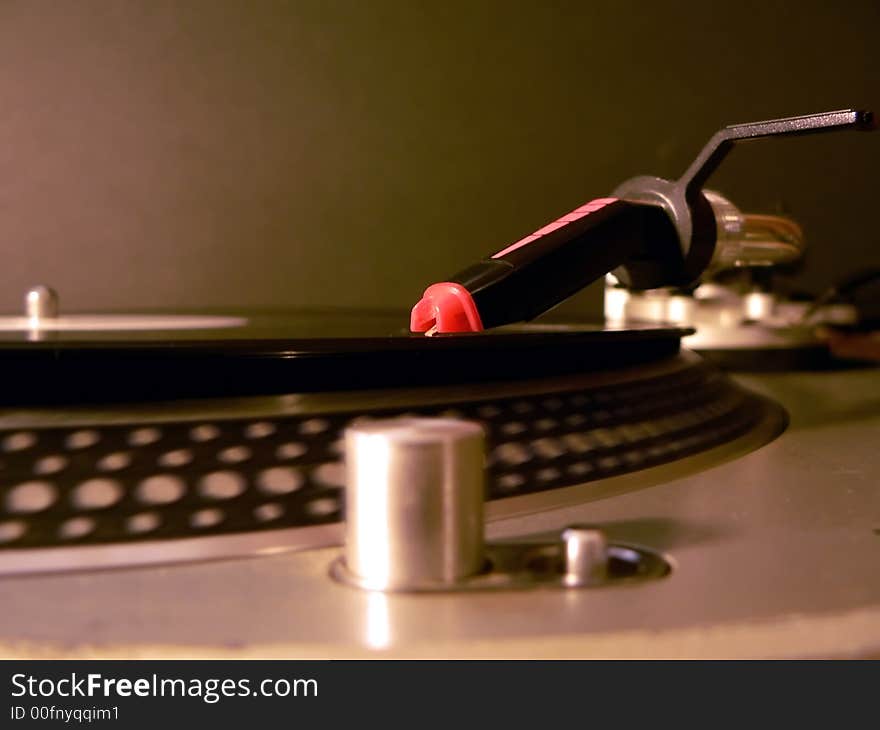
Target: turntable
[(174, 484)]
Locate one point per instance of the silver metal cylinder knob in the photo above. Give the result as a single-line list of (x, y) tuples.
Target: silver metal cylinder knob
[(414, 502), (40, 302), (586, 556)]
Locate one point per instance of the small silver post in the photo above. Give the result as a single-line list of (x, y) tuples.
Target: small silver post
[(586, 556), (40, 302)]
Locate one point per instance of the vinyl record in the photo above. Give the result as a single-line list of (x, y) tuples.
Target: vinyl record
[(128, 358)]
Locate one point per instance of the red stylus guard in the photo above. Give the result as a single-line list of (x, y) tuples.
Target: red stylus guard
[(447, 307)]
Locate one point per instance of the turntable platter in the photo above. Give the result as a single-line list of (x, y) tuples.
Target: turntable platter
[(144, 439)]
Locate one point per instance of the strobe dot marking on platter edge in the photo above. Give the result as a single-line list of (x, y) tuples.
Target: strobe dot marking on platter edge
[(293, 475)]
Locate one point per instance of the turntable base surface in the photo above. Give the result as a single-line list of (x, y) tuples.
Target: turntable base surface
[(773, 553)]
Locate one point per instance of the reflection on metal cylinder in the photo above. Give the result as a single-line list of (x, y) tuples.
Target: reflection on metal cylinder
[(414, 502), (40, 302)]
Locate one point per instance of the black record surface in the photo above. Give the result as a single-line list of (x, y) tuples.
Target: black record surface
[(299, 353)]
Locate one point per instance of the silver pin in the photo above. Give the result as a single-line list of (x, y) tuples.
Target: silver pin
[(40, 302), (586, 556)]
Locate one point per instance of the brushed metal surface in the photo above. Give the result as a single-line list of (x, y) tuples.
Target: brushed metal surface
[(774, 554), (414, 498)]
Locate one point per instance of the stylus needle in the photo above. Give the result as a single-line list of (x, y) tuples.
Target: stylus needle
[(431, 332)]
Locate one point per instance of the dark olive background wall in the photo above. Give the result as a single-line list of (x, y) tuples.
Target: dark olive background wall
[(281, 154)]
